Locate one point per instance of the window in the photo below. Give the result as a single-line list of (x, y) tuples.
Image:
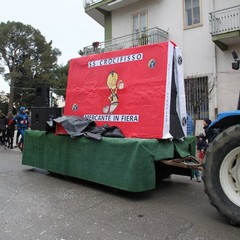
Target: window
[(140, 22), (197, 97), (139, 27), (192, 13)]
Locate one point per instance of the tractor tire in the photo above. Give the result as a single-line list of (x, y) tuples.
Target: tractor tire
[(221, 174)]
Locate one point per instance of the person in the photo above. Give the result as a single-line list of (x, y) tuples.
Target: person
[(190, 131), (208, 132), (17, 137), (10, 129), (2, 127), (21, 120), (189, 125), (201, 146), (29, 118)]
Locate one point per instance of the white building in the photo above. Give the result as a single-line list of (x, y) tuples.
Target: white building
[(207, 32)]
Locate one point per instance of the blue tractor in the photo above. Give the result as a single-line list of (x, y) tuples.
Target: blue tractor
[(221, 173)]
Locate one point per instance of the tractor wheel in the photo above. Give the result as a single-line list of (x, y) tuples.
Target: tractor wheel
[(221, 174)]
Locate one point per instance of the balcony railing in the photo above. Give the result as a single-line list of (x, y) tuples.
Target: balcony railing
[(87, 3), (226, 20), (150, 36)]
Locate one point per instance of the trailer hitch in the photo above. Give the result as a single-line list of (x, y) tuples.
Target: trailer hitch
[(187, 162)]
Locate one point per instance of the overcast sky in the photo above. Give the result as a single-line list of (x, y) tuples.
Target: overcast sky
[(62, 21)]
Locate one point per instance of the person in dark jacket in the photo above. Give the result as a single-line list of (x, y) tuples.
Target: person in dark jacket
[(10, 129), (2, 127), (201, 146), (208, 132)]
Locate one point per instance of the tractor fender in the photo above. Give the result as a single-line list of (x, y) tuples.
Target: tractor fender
[(226, 120)]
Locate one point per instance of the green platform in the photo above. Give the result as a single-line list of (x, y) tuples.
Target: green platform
[(122, 163)]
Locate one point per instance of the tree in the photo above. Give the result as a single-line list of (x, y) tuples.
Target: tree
[(3, 102), (59, 80), (28, 59)]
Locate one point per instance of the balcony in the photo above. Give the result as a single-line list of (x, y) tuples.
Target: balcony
[(225, 27), (97, 9), (150, 36), (87, 3), (107, 5)]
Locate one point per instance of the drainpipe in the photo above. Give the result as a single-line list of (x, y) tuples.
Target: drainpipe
[(215, 99), (108, 26), (216, 82)]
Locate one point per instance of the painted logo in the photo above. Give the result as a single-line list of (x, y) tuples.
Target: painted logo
[(113, 84)]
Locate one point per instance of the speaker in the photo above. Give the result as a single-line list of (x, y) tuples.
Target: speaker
[(42, 95), (40, 116)]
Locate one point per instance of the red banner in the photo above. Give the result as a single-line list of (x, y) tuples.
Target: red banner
[(129, 88)]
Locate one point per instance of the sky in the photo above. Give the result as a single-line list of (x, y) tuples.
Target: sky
[(62, 21)]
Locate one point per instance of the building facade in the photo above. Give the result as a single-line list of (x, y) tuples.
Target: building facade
[(207, 32)]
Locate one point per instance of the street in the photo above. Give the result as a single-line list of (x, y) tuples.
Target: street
[(37, 205)]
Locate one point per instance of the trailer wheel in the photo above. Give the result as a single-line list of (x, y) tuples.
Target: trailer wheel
[(162, 171), (221, 174)]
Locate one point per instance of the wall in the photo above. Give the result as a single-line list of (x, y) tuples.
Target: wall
[(228, 79), (196, 43), (220, 4), (201, 56)]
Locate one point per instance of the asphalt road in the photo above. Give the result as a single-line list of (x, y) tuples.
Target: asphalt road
[(36, 205)]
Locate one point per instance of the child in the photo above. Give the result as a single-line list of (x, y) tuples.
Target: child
[(201, 146)]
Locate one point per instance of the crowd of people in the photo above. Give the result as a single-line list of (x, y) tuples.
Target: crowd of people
[(9, 123)]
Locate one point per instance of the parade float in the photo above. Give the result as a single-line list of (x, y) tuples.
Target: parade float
[(137, 91)]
